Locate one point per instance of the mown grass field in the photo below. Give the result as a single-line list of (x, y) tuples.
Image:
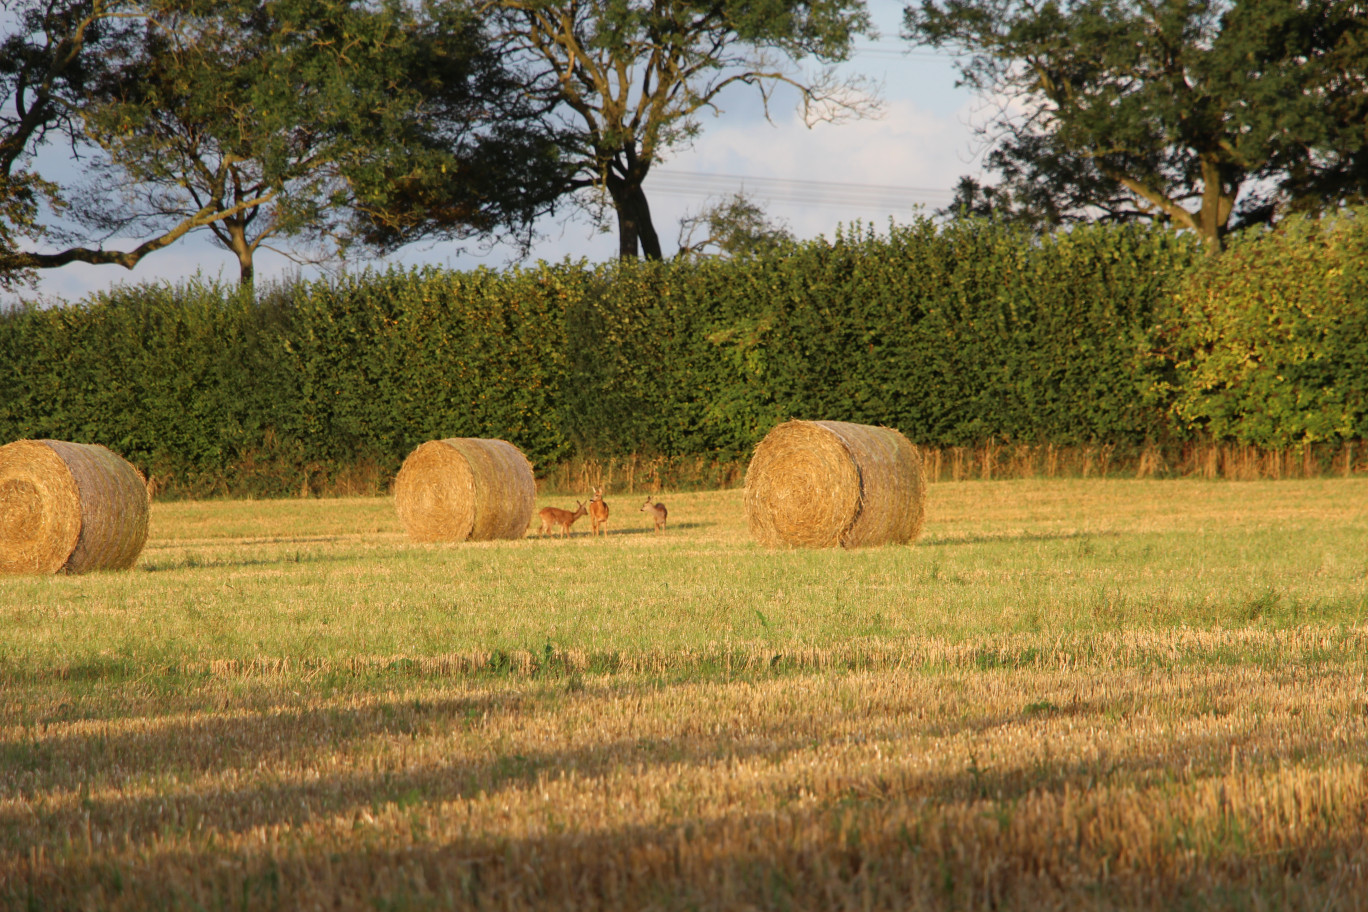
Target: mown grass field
[(1068, 694)]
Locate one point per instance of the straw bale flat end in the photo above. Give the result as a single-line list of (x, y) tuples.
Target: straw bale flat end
[(465, 489), (69, 507), (823, 484)]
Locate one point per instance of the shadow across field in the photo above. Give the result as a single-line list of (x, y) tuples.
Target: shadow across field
[(226, 750), (195, 562), (258, 540), (936, 540), (863, 845)]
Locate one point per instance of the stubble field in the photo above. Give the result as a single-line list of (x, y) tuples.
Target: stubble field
[(1067, 694)]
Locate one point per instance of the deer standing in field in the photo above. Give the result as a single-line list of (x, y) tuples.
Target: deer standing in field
[(555, 516), (598, 512), (657, 512)]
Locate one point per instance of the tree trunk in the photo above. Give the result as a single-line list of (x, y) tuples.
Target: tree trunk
[(1216, 205), (243, 250), (650, 241), (628, 242), (246, 271), (636, 232)]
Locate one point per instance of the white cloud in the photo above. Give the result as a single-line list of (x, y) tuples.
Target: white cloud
[(918, 154)]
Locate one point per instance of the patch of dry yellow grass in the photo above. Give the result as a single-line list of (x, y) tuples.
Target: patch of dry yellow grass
[(1078, 783), (1070, 695)]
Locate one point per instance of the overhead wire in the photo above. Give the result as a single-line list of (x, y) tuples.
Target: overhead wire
[(892, 52), (805, 191), (797, 190)]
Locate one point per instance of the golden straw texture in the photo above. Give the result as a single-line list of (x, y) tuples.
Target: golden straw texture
[(69, 507), (465, 489), (819, 484)]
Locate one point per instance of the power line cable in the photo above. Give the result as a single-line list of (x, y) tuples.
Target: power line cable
[(890, 52), (797, 190)]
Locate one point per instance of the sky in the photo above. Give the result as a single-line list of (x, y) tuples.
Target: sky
[(811, 181)]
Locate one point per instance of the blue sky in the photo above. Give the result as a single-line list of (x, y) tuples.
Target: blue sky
[(812, 180)]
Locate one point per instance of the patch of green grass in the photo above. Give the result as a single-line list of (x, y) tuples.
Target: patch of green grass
[(318, 582), (289, 704)]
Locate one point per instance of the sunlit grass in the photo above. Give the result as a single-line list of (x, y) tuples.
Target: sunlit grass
[(1068, 693), (325, 579)]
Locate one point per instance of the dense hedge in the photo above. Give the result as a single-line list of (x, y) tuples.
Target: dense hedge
[(185, 382), (955, 334), (1270, 340)]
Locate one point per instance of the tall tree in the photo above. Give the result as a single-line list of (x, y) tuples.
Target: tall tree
[(736, 227), (628, 79), (1331, 166), (1203, 113), (473, 155), (51, 51), (310, 123)]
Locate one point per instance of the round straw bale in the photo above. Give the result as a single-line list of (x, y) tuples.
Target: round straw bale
[(819, 484), (69, 507), (465, 488)]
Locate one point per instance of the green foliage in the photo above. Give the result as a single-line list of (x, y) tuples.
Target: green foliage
[(317, 122), (956, 334), (1206, 114), (50, 52), (1272, 336), (629, 79), (243, 119), (185, 382), (384, 363)]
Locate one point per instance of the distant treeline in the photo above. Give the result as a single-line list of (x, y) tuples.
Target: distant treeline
[(961, 335)]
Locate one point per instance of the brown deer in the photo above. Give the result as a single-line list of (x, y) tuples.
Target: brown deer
[(555, 516), (657, 512), (598, 513)]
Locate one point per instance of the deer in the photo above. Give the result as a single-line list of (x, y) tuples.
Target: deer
[(555, 516), (658, 513), (598, 513)]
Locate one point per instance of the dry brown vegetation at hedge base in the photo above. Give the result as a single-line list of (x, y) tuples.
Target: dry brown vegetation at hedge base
[(1026, 764), (987, 461)]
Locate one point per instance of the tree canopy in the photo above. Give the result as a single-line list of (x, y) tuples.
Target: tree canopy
[(51, 51), (733, 227), (309, 123), (1207, 114), (626, 80)]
